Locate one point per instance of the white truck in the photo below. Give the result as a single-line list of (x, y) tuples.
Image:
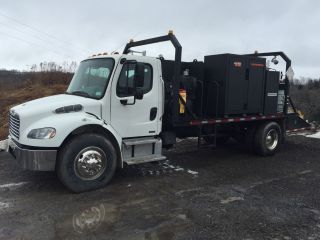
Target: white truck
[(123, 109)]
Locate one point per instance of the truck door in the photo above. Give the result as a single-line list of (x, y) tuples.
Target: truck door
[(131, 117)]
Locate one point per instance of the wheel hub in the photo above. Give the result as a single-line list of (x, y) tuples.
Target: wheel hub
[(90, 163), (272, 139)]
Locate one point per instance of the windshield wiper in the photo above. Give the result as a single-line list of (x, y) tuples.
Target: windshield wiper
[(80, 93)]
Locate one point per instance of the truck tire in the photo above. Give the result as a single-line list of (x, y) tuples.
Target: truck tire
[(267, 139), (86, 162)]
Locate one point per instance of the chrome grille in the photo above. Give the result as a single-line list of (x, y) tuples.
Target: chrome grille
[(14, 124)]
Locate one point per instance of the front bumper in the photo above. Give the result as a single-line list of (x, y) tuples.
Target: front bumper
[(33, 159)]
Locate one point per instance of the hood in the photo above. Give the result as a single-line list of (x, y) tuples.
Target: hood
[(43, 107)]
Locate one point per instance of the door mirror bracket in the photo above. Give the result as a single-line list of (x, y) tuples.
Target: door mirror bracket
[(138, 94)]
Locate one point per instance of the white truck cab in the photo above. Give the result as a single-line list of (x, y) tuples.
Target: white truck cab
[(110, 114)]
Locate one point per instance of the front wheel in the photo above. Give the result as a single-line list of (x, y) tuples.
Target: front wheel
[(267, 139), (86, 162)]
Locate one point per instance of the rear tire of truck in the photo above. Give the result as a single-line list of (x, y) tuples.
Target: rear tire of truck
[(267, 139), (86, 162)]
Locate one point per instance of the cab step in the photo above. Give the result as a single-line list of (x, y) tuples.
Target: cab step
[(142, 150), (145, 159), (139, 141)]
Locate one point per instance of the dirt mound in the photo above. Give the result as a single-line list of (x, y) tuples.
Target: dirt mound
[(27, 92)]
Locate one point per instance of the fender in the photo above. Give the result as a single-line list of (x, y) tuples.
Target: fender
[(104, 129), (65, 124)]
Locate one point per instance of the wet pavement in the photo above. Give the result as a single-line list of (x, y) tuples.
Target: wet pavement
[(223, 193)]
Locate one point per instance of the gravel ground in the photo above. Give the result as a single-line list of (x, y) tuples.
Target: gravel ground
[(223, 193)]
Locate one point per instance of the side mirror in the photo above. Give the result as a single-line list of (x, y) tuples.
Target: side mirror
[(139, 80), (139, 75)]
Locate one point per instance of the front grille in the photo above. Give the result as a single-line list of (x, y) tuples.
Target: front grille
[(14, 125)]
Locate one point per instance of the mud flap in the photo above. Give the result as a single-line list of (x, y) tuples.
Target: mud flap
[(294, 123)]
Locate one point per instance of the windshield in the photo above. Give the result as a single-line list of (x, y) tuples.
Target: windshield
[(92, 78)]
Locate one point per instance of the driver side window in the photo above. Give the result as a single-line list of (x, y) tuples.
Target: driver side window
[(125, 85)]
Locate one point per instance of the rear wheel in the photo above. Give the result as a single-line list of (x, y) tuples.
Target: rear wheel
[(86, 162), (267, 139)]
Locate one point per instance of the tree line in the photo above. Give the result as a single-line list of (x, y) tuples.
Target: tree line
[(44, 73), (67, 67), (308, 83)]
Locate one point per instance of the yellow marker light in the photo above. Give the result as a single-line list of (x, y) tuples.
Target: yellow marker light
[(170, 32), (131, 40), (105, 53), (94, 55), (183, 95)]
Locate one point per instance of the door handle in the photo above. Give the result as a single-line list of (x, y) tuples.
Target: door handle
[(153, 113)]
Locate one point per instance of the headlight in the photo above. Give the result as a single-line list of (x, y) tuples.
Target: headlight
[(42, 133)]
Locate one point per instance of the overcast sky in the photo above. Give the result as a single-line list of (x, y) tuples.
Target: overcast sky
[(63, 30)]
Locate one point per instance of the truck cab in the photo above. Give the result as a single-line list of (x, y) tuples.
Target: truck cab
[(115, 101)]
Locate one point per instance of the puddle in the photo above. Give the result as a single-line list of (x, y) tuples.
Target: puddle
[(130, 219), (89, 220)]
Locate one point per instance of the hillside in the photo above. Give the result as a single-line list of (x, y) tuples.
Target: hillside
[(28, 87)]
